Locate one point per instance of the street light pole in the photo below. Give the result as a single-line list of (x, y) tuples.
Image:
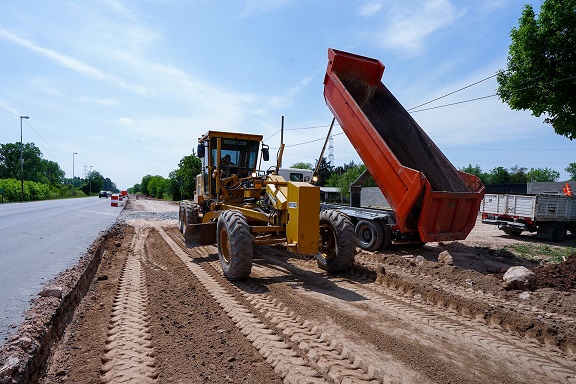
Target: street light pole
[(91, 180), (73, 153), (21, 161)]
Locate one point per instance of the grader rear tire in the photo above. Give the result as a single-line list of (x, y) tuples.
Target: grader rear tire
[(192, 210), (234, 245), (337, 242), (182, 218)]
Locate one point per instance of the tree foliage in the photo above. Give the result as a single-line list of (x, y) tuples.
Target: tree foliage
[(541, 73), (35, 167), (302, 165), (571, 169), (514, 175), (324, 171), (184, 178), (543, 175)]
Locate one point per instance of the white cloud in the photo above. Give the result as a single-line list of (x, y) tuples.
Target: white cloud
[(125, 120), (369, 9), (409, 24)]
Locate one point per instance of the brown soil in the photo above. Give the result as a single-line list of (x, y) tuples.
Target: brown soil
[(160, 312), (558, 276)]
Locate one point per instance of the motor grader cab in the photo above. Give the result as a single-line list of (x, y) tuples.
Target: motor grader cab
[(236, 205)]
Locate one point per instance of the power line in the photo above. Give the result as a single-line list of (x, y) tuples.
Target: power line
[(451, 93), (47, 142)]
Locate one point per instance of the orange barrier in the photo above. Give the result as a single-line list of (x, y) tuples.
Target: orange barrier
[(114, 199)]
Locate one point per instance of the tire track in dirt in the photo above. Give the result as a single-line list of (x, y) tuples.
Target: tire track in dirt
[(470, 293), (528, 359), (292, 367), (129, 356), (326, 354)]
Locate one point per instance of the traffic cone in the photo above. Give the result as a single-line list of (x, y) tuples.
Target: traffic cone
[(567, 190)]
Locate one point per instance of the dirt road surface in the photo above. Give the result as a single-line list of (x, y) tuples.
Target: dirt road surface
[(158, 312)]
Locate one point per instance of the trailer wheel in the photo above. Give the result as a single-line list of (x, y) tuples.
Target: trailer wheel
[(370, 235), (512, 232), (191, 213), (337, 242), (560, 232), (234, 245), (181, 218)]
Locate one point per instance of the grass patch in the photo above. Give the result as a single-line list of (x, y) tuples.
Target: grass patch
[(537, 252)]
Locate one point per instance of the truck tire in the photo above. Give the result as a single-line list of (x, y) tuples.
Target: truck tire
[(559, 232), (191, 213), (234, 245), (182, 217), (512, 232), (387, 240), (370, 235), (337, 242)]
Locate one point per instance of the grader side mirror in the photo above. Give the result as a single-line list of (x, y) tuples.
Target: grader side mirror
[(201, 152), (265, 152)]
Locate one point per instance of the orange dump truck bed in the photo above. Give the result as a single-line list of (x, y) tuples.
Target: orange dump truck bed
[(426, 192)]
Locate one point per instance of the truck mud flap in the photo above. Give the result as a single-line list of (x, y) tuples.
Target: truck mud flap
[(200, 234)]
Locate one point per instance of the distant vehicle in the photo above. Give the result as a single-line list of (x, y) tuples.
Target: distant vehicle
[(105, 194), (296, 174), (550, 216)]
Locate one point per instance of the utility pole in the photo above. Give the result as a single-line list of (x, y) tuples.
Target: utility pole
[(90, 176), (21, 161), (73, 153)]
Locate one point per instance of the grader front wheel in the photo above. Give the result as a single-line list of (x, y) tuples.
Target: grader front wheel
[(234, 245), (337, 242)]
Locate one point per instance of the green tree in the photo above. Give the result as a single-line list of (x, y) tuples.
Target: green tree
[(499, 175), (51, 172), (302, 165), (324, 172), (476, 171), (185, 176), (93, 183), (344, 176), (542, 65), (144, 184), (571, 169), (543, 175), (518, 174)]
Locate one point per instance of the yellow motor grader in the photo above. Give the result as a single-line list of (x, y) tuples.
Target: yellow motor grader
[(236, 206)]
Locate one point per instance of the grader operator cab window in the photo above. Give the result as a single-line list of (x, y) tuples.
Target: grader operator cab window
[(237, 156)]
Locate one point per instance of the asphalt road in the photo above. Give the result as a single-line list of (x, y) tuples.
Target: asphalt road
[(38, 240)]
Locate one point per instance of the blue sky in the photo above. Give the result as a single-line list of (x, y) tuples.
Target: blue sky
[(130, 85)]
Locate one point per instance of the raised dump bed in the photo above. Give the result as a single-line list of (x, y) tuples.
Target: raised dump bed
[(428, 195)]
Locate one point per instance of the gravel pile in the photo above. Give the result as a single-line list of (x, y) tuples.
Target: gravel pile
[(147, 215)]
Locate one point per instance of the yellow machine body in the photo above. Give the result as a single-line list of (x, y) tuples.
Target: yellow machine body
[(303, 228)]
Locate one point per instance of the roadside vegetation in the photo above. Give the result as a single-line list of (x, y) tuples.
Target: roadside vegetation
[(42, 179), (552, 253)]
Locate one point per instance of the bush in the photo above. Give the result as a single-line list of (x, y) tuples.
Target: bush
[(36, 191)]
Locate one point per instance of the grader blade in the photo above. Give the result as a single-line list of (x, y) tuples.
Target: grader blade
[(200, 234)]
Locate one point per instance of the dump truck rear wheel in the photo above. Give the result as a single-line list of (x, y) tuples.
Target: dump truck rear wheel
[(370, 235), (337, 242), (191, 213), (234, 245), (512, 232), (387, 241)]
